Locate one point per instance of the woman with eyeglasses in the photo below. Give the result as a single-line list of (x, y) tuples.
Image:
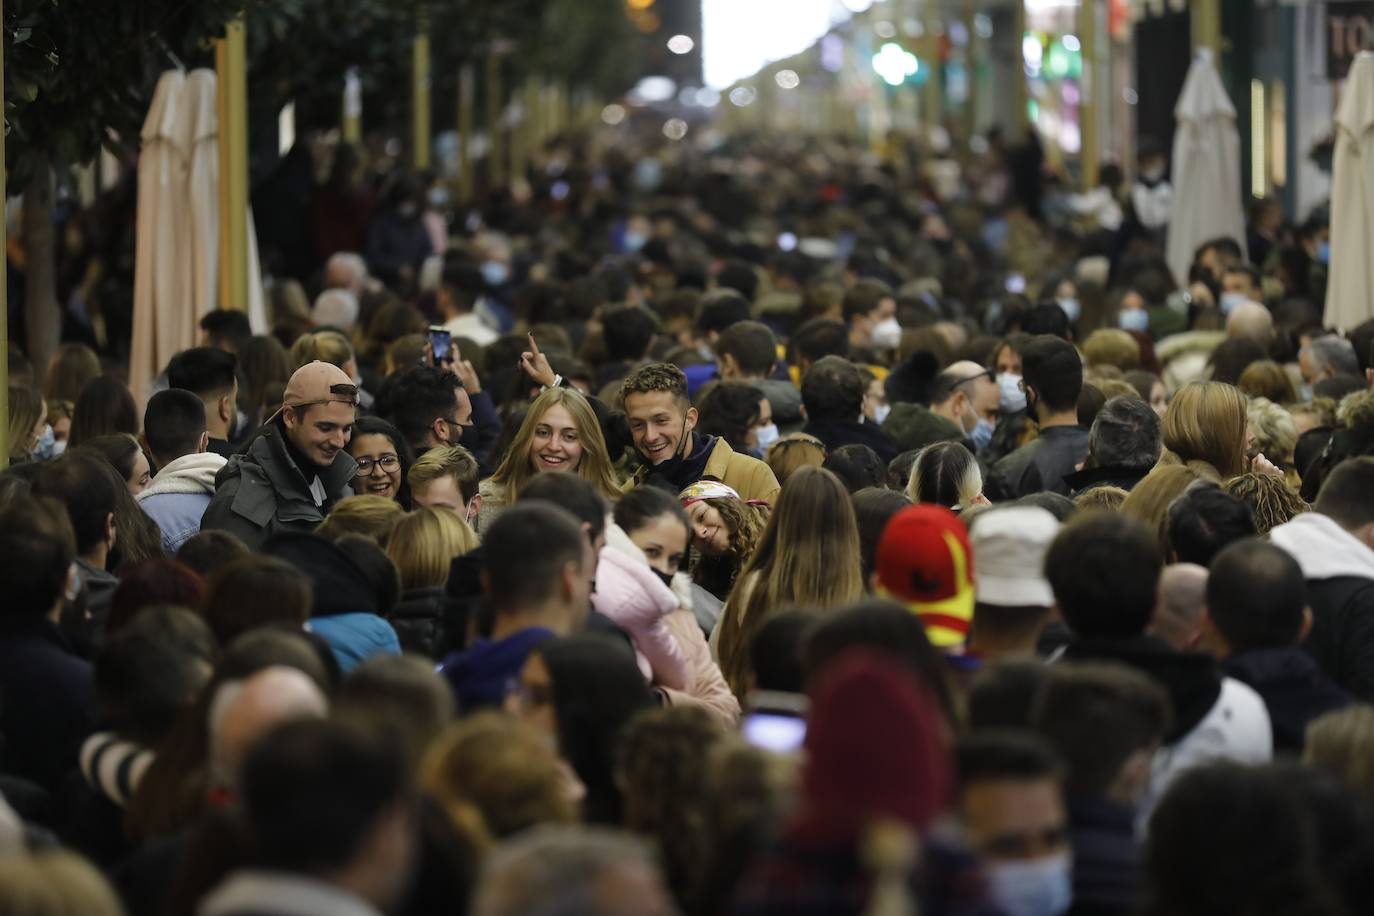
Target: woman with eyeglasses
[(383, 460)]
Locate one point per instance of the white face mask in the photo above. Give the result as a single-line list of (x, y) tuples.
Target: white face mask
[(1037, 887), (886, 334), (766, 436), (1012, 397), (880, 413)]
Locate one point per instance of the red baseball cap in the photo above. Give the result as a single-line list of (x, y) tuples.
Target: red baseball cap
[(924, 561)]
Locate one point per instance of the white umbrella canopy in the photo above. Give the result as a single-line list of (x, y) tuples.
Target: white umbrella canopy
[(162, 274), (1350, 283), (1206, 168), (177, 261)]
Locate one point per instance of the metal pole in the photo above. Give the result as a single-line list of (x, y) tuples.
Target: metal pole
[(467, 94), (1206, 26), (233, 167), (352, 108), (1088, 93), (420, 136)]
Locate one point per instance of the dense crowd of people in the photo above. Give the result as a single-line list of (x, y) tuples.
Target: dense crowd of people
[(763, 527)]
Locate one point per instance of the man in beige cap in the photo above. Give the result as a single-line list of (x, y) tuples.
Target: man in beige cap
[(297, 467)]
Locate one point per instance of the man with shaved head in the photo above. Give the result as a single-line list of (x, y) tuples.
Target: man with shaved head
[(244, 711), (1252, 320), (1178, 609)]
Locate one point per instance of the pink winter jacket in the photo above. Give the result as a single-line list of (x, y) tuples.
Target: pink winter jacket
[(708, 689), (631, 595)]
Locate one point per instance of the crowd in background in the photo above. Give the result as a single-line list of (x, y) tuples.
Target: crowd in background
[(756, 526)]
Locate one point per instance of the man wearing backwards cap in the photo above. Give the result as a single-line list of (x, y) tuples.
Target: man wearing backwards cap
[(297, 467)]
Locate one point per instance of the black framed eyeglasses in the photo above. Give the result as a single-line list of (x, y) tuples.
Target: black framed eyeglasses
[(388, 463)]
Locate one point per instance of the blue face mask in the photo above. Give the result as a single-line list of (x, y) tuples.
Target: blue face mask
[(982, 434), (1324, 252), (47, 445), (1013, 398), (1039, 887), (1134, 320), (496, 273), (1230, 300), (634, 241), (1070, 307)]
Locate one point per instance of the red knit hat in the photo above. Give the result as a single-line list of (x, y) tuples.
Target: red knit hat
[(876, 744), (924, 561)]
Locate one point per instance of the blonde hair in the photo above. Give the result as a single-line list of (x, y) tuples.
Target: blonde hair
[(793, 452), (495, 776), (517, 467), (1207, 422), (425, 542), (945, 474), (446, 461), (1108, 499), (1342, 742), (54, 882), (26, 409), (327, 346), (1276, 435), (371, 516), (1148, 502), (1112, 347), (1272, 501), (808, 556)]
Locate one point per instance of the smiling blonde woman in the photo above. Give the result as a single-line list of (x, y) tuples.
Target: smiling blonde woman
[(560, 432)]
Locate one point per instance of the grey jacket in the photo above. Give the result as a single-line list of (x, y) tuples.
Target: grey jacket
[(261, 492)]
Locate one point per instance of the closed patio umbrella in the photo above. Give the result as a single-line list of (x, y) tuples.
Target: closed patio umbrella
[(162, 268), (1350, 283), (1206, 168)]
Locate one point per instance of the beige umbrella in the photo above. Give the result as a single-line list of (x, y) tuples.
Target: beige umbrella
[(1206, 167), (1350, 284), (162, 277), (202, 198)]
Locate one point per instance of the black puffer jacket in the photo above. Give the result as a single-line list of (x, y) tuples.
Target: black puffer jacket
[(420, 621)]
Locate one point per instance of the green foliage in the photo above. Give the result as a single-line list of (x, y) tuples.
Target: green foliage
[(79, 73)]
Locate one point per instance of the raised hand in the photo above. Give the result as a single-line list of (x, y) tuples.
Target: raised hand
[(536, 365)]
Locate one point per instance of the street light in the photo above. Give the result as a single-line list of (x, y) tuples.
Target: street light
[(681, 44), (895, 64)]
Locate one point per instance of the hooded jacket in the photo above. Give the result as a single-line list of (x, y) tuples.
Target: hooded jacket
[(420, 621), (179, 495), (1339, 569), (1215, 717), (347, 604), (482, 674), (631, 595), (1293, 688), (262, 491)]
